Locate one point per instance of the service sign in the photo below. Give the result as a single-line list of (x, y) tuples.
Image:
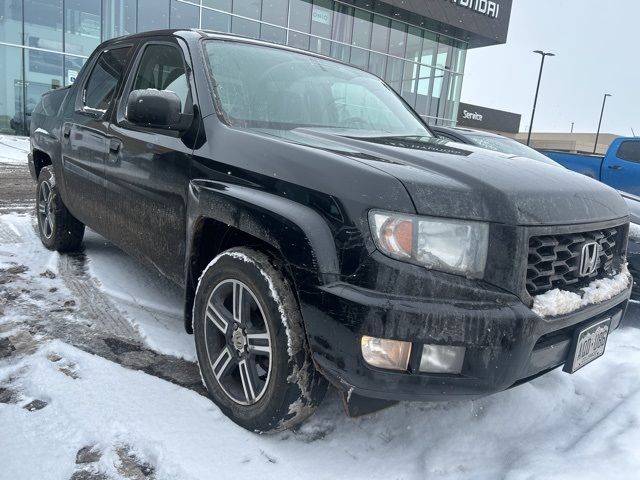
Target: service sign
[(476, 116)]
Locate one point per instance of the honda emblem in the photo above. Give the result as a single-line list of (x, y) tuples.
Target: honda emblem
[(589, 259)]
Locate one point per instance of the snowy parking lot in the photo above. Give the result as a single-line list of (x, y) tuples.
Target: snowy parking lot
[(98, 381)]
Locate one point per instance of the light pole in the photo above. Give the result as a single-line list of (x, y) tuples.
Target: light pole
[(604, 102), (535, 101)]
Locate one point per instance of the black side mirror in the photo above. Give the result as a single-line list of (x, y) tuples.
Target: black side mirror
[(156, 109)]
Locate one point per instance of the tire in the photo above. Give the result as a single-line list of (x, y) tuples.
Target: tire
[(58, 229), (261, 392)]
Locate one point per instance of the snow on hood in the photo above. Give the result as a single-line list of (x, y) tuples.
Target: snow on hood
[(561, 302)]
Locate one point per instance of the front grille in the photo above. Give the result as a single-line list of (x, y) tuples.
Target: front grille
[(554, 260)]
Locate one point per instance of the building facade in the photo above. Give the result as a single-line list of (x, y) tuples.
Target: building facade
[(417, 46)]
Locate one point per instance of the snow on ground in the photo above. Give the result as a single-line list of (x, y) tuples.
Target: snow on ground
[(582, 426), (152, 303), (13, 150), (585, 426)]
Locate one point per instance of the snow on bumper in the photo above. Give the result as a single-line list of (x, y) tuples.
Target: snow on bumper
[(561, 302)]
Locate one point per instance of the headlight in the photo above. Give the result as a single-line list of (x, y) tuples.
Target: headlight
[(453, 246)]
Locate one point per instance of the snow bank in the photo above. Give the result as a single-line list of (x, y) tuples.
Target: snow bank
[(13, 150), (561, 302)]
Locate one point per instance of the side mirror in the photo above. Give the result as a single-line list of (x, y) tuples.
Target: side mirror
[(156, 109)]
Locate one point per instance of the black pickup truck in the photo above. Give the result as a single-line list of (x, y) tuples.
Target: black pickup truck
[(319, 230)]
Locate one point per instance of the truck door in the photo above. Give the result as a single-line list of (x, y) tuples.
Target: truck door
[(148, 174), (621, 167), (84, 137)]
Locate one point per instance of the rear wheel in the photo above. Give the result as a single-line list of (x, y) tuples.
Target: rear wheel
[(250, 343), (58, 229)]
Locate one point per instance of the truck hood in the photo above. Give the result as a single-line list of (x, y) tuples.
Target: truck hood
[(448, 179)]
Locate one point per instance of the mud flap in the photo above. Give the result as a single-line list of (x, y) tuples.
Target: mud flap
[(356, 405)]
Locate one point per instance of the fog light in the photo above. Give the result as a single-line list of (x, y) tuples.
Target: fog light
[(442, 359), (382, 353)]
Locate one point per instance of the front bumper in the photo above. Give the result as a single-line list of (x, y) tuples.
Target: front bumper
[(506, 343)]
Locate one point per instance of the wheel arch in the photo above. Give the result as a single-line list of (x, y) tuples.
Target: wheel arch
[(222, 218), (41, 159)]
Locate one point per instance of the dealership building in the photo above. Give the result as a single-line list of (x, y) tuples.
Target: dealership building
[(417, 46)]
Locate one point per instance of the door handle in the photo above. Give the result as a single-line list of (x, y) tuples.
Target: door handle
[(114, 149), (66, 131), (616, 167), (114, 145)]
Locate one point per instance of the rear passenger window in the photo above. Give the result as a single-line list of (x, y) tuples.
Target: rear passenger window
[(162, 68), (101, 85), (629, 151)]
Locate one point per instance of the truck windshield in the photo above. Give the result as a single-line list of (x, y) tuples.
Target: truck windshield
[(269, 88)]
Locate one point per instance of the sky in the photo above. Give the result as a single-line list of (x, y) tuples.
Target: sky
[(597, 45)]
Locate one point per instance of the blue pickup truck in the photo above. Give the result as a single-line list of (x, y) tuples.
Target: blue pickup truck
[(619, 168)]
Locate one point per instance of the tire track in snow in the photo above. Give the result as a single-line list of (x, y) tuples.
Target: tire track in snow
[(103, 314)]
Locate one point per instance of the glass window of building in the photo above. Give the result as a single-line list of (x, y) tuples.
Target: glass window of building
[(43, 24), (397, 47), (43, 72), (429, 49), (12, 114), (342, 32), (11, 21), (81, 26), (321, 26), (216, 21), (153, 15), (184, 15), (275, 12), (361, 38), (247, 8), (72, 66), (118, 18), (273, 34), (103, 80), (445, 53), (224, 5), (379, 43), (299, 22), (243, 26)]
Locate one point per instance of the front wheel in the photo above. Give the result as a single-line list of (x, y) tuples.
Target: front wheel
[(58, 229), (250, 343)]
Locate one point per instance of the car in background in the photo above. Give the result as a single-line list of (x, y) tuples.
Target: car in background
[(619, 168), (498, 143)]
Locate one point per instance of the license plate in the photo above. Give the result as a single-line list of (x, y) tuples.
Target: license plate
[(588, 344)]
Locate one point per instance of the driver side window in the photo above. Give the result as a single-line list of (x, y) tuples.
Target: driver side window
[(162, 68)]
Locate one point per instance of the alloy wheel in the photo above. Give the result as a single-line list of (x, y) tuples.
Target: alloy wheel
[(45, 209), (238, 342)]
